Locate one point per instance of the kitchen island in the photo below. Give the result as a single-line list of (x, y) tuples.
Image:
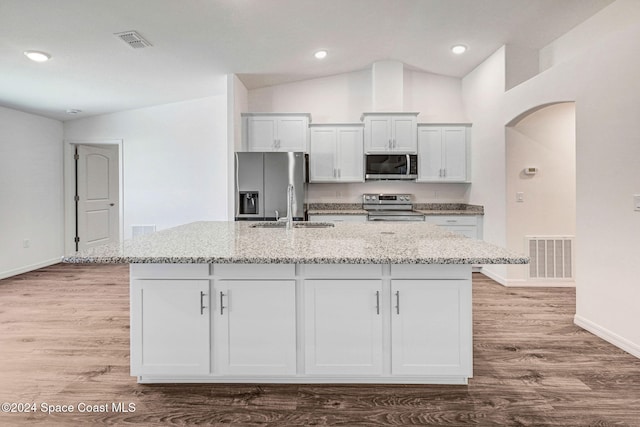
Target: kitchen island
[(347, 303)]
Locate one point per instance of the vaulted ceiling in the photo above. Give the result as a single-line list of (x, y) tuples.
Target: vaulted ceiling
[(265, 42)]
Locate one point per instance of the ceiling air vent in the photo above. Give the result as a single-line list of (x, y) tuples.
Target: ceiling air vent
[(133, 39)]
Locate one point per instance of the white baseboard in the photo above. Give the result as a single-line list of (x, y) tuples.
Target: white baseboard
[(513, 283), (611, 337), (28, 268)]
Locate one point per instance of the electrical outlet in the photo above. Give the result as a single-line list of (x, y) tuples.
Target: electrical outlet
[(519, 197), (26, 243)]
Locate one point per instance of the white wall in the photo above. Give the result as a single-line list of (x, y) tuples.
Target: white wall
[(603, 81), (343, 98), (31, 192), (175, 160), (336, 99), (545, 139)]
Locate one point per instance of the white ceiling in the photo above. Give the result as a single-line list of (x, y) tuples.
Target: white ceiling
[(265, 42)]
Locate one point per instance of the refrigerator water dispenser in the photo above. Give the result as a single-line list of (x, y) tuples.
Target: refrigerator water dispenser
[(248, 202)]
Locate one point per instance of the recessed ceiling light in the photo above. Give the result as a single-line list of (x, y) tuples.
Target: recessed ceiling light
[(36, 56), (458, 49), (73, 111), (321, 54)]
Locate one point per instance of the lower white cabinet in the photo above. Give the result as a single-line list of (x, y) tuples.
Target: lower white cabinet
[(469, 226), (343, 327), (170, 327), (431, 327), (338, 218), (255, 327), (316, 323)]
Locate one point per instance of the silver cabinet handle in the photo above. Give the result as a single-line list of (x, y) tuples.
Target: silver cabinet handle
[(222, 307), (377, 302), (452, 220), (397, 302), (202, 306), (339, 173)]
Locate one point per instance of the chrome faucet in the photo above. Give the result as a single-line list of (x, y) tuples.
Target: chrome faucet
[(289, 217)]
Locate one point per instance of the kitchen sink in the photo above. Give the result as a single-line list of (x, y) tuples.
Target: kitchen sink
[(297, 224), (313, 224), (271, 224)]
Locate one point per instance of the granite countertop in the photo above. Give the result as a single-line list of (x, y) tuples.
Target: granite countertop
[(346, 243), (425, 208)]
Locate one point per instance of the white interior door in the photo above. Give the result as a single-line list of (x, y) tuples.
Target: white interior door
[(97, 195)]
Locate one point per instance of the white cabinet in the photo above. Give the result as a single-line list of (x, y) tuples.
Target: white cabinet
[(390, 132), (276, 132), (469, 226), (255, 327), (431, 327), (343, 327), (336, 153), (337, 218), (170, 327), (443, 153)]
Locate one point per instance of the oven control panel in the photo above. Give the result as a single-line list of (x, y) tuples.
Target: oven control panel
[(387, 199)]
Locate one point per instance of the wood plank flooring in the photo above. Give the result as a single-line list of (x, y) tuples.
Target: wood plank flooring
[(64, 340)]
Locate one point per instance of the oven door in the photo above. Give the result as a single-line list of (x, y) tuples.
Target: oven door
[(395, 216), (391, 167)]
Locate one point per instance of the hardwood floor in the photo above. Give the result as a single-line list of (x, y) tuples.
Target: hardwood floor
[(64, 340)]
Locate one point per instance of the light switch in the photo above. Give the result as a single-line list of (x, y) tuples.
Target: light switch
[(636, 202), (520, 197)]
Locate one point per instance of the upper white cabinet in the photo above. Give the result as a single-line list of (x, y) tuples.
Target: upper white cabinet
[(336, 153), (276, 131), (443, 153), (390, 132)]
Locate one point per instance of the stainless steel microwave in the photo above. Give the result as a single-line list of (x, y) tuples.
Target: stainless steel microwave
[(391, 166)]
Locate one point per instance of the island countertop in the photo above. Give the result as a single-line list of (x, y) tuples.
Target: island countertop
[(230, 242)]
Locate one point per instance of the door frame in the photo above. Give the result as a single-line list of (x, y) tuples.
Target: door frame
[(70, 185)]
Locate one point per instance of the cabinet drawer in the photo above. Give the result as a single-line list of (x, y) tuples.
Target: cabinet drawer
[(451, 219), (338, 218), (169, 271), (249, 271), (430, 271), (343, 271)]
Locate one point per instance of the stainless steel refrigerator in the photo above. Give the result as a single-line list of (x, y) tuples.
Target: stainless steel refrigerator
[(261, 185)]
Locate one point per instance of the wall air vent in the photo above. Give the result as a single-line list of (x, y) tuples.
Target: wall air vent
[(551, 257), (133, 39)]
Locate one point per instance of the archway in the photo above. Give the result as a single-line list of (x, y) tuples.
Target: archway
[(541, 194)]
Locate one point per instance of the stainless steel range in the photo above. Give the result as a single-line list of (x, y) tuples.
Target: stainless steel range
[(390, 207)]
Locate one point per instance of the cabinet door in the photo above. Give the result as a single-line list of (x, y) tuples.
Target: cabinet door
[(292, 134), (255, 327), (343, 325), (454, 140), (322, 155), (350, 154), (431, 327), (170, 327), (377, 137), (404, 134), (430, 153), (261, 133)]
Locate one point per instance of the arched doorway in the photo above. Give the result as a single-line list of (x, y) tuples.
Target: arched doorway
[(541, 194)]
